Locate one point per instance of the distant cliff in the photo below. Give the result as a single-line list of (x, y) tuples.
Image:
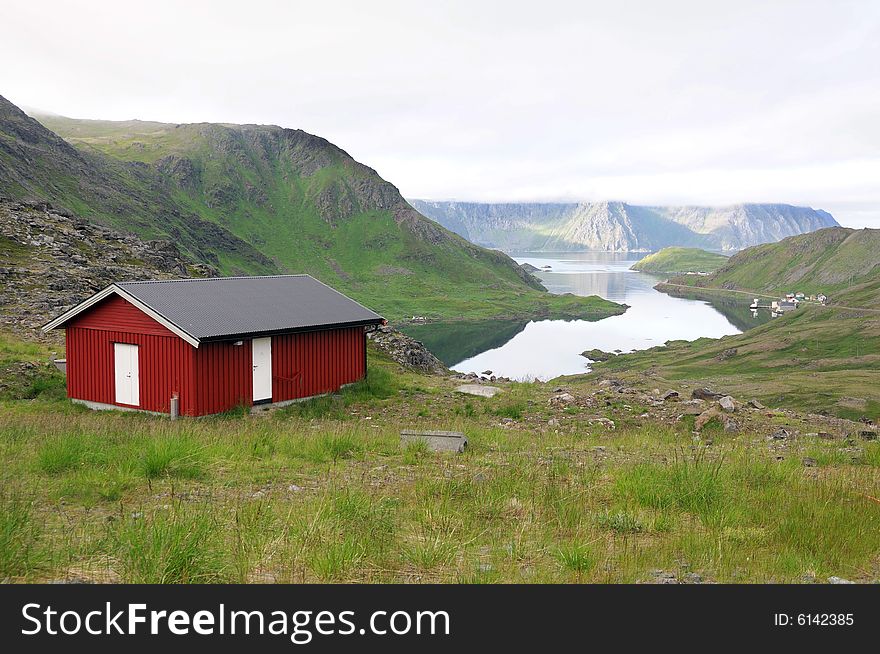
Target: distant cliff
[(617, 226)]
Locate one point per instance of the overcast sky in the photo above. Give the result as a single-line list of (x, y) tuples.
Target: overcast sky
[(649, 102)]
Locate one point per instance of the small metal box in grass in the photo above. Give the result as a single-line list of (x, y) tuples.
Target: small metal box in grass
[(437, 441)]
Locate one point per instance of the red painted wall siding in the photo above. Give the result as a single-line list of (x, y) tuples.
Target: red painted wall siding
[(165, 362), (312, 363), (115, 314), (224, 377), (209, 379)]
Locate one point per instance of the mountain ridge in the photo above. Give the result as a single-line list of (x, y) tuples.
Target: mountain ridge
[(619, 226), (256, 199)]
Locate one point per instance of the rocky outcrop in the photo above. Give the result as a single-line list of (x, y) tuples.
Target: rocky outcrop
[(618, 226), (406, 351), (50, 260)]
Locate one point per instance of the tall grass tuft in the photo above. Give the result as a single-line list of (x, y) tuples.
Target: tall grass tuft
[(379, 384), (172, 456), (335, 561), (333, 447), (691, 483), (575, 557), (61, 453), (169, 547), (20, 549)]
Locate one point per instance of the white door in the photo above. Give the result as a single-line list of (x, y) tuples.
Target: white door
[(125, 360), (262, 354)]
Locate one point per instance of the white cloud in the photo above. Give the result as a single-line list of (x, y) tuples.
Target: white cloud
[(648, 102)]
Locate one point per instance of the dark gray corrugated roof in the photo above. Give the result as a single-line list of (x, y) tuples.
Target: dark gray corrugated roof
[(238, 306)]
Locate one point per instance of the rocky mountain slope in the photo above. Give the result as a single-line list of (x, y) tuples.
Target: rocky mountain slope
[(50, 260), (252, 199), (617, 226)]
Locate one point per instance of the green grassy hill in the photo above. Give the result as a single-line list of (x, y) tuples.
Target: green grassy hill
[(251, 199), (840, 262), (822, 359), (680, 260)]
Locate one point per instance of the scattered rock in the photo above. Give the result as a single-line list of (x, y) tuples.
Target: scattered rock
[(562, 398), (670, 395), (705, 418), (704, 394), (664, 577), (780, 434), (754, 404), (839, 580), (868, 435), (293, 488), (486, 372), (597, 355), (478, 390), (810, 462), (605, 422), (70, 580), (727, 354), (727, 404)]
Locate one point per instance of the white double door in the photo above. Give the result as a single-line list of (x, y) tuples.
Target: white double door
[(262, 360), (127, 376)]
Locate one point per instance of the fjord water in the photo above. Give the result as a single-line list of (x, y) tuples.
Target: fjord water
[(544, 349)]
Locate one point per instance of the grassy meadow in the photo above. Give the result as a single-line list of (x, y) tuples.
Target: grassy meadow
[(322, 492)]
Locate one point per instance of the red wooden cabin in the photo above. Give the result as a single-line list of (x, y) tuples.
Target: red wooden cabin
[(213, 344)]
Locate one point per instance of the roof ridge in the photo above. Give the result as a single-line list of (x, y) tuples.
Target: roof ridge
[(211, 279)]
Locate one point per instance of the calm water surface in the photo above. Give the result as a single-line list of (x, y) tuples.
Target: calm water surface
[(545, 349)]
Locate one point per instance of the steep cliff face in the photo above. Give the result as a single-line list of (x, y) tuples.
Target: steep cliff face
[(743, 225), (618, 226)]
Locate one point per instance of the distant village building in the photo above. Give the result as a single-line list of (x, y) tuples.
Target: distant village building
[(203, 346)]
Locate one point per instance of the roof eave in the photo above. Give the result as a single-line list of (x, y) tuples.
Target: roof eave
[(295, 330)]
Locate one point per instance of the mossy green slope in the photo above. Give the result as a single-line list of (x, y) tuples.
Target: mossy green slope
[(674, 260), (840, 262), (280, 200)]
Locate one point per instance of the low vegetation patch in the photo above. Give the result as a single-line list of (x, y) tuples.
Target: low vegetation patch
[(541, 495)]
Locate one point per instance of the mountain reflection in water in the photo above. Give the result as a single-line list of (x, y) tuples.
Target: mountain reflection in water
[(545, 349)]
